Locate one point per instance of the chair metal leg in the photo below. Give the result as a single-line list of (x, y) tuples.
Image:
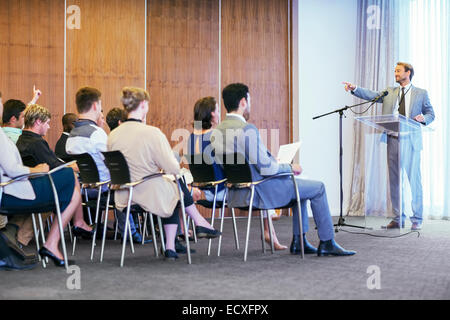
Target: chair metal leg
[(145, 227), (61, 230), (161, 234), (213, 213), (236, 239), (248, 223), (186, 231), (299, 217), (127, 226), (105, 226), (36, 236), (42, 232), (261, 218), (97, 211), (117, 224), (74, 244), (193, 231), (69, 227), (88, 209), (269, 222), (152, 225), (222, 215)]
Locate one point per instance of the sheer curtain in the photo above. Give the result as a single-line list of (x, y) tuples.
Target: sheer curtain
[(415, 31), (424, 39), (376, 58)]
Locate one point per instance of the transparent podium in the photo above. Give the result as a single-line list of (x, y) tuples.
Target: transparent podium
[(392, 187)]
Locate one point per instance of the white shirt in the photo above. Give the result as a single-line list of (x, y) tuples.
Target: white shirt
[(407, 100), (236, 115)]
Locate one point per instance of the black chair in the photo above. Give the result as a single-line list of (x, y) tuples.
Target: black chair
[(121, 179), (239, 176), (205, 179), (90, 179)]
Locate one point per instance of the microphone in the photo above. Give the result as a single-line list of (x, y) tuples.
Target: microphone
[(383, 94)]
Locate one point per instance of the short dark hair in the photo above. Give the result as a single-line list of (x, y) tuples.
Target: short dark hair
[(407, 67), (12, 108), (68, 121), (202, 111), (85, 97), (114, 116), (233, 94)]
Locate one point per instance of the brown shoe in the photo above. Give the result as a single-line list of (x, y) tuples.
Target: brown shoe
[(393, 225)]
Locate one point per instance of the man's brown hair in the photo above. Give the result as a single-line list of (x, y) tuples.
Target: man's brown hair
[(85, 97), (407, 67)]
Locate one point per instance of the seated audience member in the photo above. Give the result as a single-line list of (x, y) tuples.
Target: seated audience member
[(234, 134), (115, 118), (68, 121), (206, 117), (147, 151), (32, 144), (37, 193), (13, 115), (88, 137)]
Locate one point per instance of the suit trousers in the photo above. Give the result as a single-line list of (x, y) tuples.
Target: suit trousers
[(409, 161), (315, 192)]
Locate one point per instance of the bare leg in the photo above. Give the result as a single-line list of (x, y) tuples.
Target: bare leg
[(54, 237), (197, 217), (276, 243), (78, 219)]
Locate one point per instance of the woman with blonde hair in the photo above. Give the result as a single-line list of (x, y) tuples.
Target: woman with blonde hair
[(148, 151)]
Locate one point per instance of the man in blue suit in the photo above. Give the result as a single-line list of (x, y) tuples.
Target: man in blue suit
[(234, 134), (413, 103)]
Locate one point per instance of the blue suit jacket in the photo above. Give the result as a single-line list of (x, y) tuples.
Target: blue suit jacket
[(234, 135), (419, 104)]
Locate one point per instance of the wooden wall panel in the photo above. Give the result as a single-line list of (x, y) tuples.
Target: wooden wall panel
[(255, 52), (32, 52), (183, 60), (108, 52)]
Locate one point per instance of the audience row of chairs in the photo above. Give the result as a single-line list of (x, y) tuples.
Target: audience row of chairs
[(238, 175)]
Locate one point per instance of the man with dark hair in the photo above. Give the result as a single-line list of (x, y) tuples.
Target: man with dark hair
[(88, 137), (68, 122), (234, 134), (115, 118), (13, 116), (413, 103)]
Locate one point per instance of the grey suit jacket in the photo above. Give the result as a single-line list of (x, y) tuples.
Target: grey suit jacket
[(419, 104), (235, 135)]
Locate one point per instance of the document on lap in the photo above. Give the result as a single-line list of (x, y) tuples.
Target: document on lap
[(287, 152)]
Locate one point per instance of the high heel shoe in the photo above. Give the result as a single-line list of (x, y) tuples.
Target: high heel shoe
[(44, 252), (85, 234)]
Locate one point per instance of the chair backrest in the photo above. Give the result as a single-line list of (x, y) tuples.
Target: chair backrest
[(88, 168), (237, 169), (201, 171), (118, 167)]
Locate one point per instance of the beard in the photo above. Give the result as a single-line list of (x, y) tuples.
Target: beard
[(246, 114)]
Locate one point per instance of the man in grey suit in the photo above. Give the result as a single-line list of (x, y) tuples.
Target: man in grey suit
[(234, 134), (412, 102)]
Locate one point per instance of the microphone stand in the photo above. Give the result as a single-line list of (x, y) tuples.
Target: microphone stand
[(341, 221)]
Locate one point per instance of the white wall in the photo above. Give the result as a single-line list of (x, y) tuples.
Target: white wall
[(326, 35)]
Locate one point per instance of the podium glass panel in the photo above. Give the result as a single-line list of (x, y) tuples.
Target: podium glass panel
[(392, 182)]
